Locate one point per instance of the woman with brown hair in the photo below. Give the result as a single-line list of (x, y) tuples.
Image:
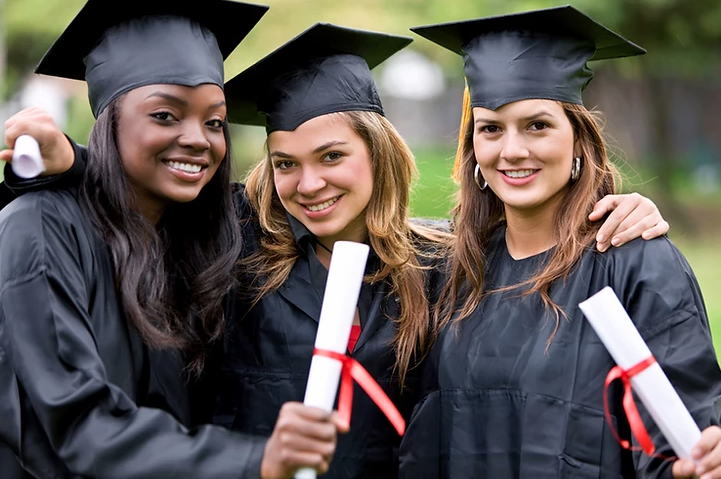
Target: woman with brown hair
[(514, 384)]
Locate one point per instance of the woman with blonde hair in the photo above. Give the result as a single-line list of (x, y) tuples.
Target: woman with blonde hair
[(515, 381)]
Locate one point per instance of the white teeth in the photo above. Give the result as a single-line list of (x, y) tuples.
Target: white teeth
[(187, 167), (322, 206), (519, 173)]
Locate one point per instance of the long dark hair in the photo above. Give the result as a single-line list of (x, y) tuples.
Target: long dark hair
[(171, 277)]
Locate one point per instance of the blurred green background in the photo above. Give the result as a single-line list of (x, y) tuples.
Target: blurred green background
[(662, 109)]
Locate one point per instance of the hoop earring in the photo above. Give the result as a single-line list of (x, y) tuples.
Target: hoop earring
[(477, 175), (576, 169)]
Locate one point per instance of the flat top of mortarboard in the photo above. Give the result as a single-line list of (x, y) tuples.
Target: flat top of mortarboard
[(321, 40), (228, 20), (563, 21)]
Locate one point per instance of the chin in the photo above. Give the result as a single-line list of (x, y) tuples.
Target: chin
[(183, 197)]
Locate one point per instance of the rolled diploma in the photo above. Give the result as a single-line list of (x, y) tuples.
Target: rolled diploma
[(345, 277), (618, 333), (27, 162)]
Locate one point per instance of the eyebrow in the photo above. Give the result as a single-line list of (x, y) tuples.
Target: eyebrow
[(180, 101), (317, 150), (535, 116), (167, 96)]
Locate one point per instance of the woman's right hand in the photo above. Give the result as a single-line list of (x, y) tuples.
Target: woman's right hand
[(57, 152), (303, 437)]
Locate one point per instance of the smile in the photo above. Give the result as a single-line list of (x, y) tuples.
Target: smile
[(519, 173), (186, 167), (322, 206)]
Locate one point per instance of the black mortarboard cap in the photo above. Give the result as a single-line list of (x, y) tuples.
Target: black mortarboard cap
[(538, 54), (117, 46), (325, 69)]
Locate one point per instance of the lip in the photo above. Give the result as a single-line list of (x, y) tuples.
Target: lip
[(519, 181), (323, 213)]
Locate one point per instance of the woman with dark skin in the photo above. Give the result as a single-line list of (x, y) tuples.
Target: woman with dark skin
[(102, 283)]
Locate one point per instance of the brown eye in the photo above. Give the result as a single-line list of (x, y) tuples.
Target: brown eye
[(163, 116)]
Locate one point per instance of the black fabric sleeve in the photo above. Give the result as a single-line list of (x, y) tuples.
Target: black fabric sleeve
[(14, 186), (48, 339), (661, 294)]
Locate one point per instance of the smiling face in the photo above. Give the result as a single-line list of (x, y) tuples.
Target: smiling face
[(525, 150), (324, 177), (171, 142)]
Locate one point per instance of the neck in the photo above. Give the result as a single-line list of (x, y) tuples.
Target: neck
[(151, 211), (529, 233), (324, 245)]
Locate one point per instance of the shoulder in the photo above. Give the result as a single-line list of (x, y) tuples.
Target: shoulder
[(654, 282), (646, 260), (33, 225)]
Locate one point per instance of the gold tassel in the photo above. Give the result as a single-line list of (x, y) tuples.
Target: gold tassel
[(466, 117)]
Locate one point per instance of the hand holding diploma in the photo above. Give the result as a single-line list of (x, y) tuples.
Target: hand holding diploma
[(638, 368), (38, 145)]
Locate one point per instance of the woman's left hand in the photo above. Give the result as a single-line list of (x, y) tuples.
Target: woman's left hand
[(706, 453), (632, 215)]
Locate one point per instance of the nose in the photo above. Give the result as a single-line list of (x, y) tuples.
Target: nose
[(194, 136), (311, 181), (514, 147)]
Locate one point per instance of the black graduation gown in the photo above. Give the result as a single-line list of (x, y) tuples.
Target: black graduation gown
[(267, 354), (502, 406), (72, 374)]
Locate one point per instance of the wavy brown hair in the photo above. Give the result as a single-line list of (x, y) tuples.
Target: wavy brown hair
[(171, 277), (400, 246), (478, 213)]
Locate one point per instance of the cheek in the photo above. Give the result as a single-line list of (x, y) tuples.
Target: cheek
[(283, 186)]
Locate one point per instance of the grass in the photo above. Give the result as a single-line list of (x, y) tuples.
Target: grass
[(433, 197)]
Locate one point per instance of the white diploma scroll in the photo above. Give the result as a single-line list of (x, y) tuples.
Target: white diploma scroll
[(27, 162), (618, 333), (345, 277)]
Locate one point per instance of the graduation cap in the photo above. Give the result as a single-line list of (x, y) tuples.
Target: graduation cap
[(325, 69), (528, 55), (117, 46)]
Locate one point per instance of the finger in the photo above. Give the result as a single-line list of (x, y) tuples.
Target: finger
[(659, 230), (293, 460), (625, 207), (708, 450), (306, 412), (631, 228), (341, 426), (683, 469), (6, 155), (606, 204)]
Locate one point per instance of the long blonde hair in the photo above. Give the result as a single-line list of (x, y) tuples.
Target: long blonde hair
[(399, 245), (478, 214)]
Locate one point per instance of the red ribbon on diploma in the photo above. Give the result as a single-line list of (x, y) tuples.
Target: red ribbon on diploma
[(634, 418), (352, 370)]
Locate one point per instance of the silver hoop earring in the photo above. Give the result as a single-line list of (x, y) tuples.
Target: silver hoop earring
[(477, 175), (576, 169)]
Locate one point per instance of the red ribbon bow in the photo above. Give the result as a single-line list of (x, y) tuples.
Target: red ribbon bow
[(634, 418), (352, 370)]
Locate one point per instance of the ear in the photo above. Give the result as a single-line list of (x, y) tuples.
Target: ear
[(577, 150)]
